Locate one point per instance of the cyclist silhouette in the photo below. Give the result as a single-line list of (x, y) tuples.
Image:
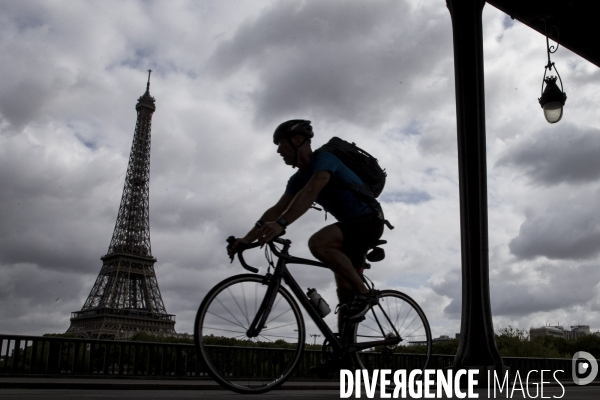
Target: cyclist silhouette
[(323, 179)]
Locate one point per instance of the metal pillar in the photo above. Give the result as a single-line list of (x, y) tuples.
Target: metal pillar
[(477, 347)]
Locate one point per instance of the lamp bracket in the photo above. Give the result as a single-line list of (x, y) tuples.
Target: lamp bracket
[(553, 32)]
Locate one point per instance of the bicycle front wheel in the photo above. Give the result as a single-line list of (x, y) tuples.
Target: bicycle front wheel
[(238, 362), (396, 315)]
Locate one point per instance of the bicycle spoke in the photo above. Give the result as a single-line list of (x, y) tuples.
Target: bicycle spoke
[(387, 305), (214, 328), (373, 317), (223, 318), (274, 318), (388, 324), (370, 337), (245, 305), (399, 313), (230, 313), (408, 326), (224, 330), (266, 338), (279, 336), (238, 304), (255, 299), (276, 303), (404, 320), (277, 327), (373, 329), (416, 329)]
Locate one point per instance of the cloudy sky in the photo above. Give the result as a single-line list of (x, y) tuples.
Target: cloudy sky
[(379, 73)]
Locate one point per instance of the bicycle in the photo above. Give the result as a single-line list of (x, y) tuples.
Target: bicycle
[(263, 327)]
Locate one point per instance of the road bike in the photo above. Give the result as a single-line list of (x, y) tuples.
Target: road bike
[(250, 332)]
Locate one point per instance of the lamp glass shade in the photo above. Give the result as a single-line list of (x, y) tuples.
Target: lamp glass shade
[(553, 111), (552, 101)]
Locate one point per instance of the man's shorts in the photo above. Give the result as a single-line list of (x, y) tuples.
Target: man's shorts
[(360, 234)]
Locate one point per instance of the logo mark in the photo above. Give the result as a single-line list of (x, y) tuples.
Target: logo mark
[(585, 368)]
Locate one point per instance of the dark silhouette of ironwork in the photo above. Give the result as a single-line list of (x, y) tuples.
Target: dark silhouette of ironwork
[(576, 21), (125, 298), (477, 346)]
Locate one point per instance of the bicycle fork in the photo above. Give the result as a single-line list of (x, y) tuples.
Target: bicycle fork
[(260, 319)]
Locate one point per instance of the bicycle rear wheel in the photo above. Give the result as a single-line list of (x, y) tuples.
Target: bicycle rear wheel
[(396, 314), (236, 361)]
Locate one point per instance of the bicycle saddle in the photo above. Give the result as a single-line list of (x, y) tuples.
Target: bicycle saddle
[(376, 253)]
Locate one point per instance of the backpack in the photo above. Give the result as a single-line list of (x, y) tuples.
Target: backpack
[(362, 164)]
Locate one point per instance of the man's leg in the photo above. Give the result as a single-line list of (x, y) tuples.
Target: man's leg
[(345, 296), (326, 246)]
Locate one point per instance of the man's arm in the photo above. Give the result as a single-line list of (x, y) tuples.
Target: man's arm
[(270, 215), (306, 197), (297, 207)]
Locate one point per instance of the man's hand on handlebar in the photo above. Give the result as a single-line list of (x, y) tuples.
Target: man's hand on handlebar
[(231, 246), (269, 231), (265, 232)]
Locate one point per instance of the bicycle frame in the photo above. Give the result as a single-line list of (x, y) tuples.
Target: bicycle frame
[(274, 281)]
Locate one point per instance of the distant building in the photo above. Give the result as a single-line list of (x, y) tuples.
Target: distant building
[(555, 331), (442, 338), (576, 331), (184, 335)]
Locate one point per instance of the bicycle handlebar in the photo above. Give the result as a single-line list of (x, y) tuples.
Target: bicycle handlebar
[(241, 247)]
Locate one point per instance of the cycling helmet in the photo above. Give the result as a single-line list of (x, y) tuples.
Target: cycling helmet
[(291, 128)]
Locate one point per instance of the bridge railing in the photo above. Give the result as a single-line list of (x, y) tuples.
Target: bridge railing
[(33, 355), (28, 355)]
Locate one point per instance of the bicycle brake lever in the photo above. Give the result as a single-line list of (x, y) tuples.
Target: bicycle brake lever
[(231, 240)]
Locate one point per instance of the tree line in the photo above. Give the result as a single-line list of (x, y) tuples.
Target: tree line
[(511, 342)]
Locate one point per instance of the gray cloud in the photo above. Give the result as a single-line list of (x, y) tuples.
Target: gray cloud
[(409, 197), (568, 230), (351, 63), (35, 300), (50, 200), (544, 289), (556, 287), (21, 102), (450, 285), (553, 156)]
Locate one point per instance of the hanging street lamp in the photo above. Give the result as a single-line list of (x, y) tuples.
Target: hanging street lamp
[(553, 99)]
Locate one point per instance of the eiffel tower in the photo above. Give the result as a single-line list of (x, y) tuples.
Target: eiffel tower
[(125, 298)]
